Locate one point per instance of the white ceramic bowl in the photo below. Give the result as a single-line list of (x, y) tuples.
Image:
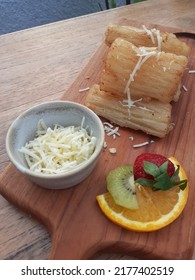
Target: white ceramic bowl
[(66, 114)]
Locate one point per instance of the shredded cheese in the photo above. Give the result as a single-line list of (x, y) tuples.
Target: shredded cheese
[(151, 33), (191, 71), (114, 131), (111, 130), (108, 124), (55, 151), (143, 144), (185, 88), (84, 89), (144, 54), (105, 144), (112, 150), (159, 38)]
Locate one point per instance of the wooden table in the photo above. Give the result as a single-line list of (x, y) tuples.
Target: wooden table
[(38, 65)]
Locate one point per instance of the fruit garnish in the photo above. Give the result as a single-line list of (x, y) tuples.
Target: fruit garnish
[(120, 184), (157, 159), (156, 209), (157, 172)]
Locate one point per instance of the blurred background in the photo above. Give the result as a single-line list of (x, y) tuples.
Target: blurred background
[(21, 14)]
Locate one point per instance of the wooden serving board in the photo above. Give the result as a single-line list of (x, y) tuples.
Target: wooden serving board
[(77, 226)]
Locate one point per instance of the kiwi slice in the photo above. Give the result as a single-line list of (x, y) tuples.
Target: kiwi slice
[(120, 184)]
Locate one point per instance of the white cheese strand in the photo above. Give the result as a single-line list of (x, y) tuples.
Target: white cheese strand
[(191, 71), (144, 54), (131, 77), (156, 32), (159, 39), (149, 32)]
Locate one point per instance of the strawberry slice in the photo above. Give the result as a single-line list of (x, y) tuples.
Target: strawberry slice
[(157, 159)]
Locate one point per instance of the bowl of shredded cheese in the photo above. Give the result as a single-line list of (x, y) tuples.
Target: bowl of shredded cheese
[(56, 144)]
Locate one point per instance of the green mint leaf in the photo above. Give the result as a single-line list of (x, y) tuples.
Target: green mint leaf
[(163, 182), (145, 182), (175, 179), (183, 184), (175, 176), (163, 167), (151, 168)]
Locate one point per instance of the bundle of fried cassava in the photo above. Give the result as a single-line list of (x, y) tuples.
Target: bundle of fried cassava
[(141, 76)]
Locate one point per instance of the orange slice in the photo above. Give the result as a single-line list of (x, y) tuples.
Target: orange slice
[(156, 209)]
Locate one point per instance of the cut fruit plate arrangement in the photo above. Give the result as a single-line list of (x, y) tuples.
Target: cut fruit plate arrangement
[(146, 196), (140, 198)]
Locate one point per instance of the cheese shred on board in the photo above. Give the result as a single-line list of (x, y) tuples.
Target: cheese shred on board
[(57, 150)]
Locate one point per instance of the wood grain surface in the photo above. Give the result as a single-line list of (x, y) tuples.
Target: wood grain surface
[(39, 64), (77, 227)]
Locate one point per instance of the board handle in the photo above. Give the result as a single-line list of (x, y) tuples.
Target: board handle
[(75, 249)]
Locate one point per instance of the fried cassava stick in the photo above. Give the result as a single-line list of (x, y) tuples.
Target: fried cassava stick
[(153, 118), (146, 37)]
